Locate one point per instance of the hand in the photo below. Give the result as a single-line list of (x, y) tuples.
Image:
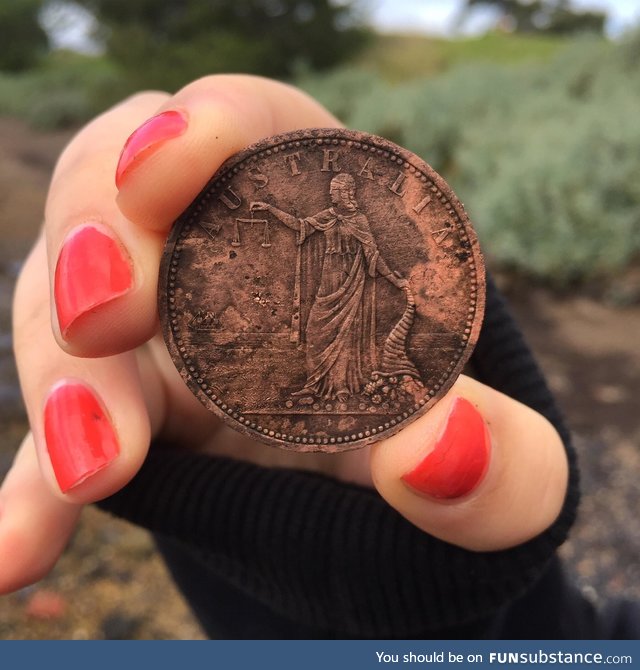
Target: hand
[(398, 280), (259, 206), (98, 384)]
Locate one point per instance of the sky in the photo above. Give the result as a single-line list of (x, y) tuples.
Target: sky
[(435, 17), (438, 16)]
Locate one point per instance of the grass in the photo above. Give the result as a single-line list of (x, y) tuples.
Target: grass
[(400, 57)]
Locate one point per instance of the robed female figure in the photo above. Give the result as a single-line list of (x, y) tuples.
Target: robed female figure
[(339, 329)]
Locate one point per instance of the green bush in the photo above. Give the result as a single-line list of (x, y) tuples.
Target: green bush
[(24, 42), (67, 90), (546, 155)]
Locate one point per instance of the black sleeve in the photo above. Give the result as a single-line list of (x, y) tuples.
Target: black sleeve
[(282, 553)]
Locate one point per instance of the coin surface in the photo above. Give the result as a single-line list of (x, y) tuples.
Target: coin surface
[(325, 289)]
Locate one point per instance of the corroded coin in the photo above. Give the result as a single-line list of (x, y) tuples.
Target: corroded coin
[(323, 290)]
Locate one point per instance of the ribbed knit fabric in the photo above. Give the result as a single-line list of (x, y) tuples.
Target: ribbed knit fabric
[(337, 557)]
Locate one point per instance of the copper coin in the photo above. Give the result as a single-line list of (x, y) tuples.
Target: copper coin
[(324, 290)]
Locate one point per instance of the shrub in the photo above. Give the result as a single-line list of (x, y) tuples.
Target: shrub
[(546, 155), (66, 91)]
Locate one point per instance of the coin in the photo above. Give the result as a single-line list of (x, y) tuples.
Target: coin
[(324, 290)]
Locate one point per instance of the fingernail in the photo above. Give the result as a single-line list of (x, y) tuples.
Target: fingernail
[(460, 457), (80, 438), (147, 138), (92, 270)]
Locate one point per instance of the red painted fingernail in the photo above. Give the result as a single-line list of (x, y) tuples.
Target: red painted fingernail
[(92, 270), (147, 138), (80, 438), (460, 457)]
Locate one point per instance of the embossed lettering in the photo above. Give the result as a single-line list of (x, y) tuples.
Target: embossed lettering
[(330, 160), (366, 172), (229, 202), (210, 228), (441, 235), (259, 179), (422, 204), (292, 162), (396, 187)]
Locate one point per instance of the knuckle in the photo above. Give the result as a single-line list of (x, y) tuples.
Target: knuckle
[(30, 304), (229, 88), (203, 83), (90, 165), (146, 99)]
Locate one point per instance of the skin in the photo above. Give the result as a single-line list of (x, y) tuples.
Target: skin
[(116, 348)]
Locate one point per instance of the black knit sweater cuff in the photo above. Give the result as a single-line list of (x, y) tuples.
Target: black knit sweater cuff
[(331, 556), (337, 557)]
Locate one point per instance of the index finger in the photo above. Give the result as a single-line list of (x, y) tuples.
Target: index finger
[(169, 159)]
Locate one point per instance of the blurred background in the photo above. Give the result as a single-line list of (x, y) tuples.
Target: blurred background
[(529, 108)]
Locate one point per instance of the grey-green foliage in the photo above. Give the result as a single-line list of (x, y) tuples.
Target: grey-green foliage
[(545, 156), (22, 39), (65, 92)]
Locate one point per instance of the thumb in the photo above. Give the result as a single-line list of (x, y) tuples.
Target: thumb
[(481, 470)]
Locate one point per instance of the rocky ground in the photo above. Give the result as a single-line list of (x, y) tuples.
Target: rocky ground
[(591, 356), (111, 584)]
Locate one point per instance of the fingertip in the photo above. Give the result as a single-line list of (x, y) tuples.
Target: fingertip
[(460, 457), (35, 526), (161, 181), (90, 448), (104, 288), (23, 560), (92, 270), (167, 164), (480, 470), (147, 138), (112, 328)]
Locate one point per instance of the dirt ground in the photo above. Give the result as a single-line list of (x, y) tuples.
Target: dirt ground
[(111, 584)]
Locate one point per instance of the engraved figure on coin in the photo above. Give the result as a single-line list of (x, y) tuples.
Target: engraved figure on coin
[(335, 317)]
